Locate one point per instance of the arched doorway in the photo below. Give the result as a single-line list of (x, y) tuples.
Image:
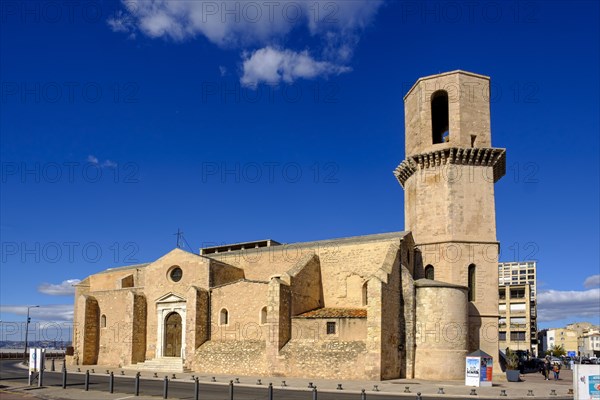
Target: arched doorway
[(172, 345)]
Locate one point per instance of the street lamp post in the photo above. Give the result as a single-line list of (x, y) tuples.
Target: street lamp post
[(27, 333)]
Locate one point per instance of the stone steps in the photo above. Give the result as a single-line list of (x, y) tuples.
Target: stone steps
[(166, 364)]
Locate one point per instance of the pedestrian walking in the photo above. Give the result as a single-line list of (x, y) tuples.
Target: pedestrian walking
[(547, 368), (556, 371)]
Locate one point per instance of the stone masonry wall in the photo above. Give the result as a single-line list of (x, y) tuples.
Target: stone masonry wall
[(90, 331), (246, 357), (339, 261), (305, 285), (442, 332), (138, 334), (243, 301)]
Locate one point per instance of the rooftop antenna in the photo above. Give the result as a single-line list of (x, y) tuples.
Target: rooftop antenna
[(181, 240), (179, 235)]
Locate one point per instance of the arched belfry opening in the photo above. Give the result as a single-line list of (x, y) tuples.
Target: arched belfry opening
[(429, 272), (440, 117)]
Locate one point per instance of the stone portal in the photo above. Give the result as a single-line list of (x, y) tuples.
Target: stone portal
[(172, 346)]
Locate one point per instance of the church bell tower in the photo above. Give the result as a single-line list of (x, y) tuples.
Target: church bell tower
[(448, 178)]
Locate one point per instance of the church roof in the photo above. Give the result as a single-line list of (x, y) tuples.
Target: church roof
[(243, 280), (343, 240), (134, 266), (334, 313)]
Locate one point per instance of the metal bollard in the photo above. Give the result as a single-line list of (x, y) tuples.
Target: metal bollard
[(339, 387), (552, 392), (111, 383), (52, 367), (529, 392), (270, 391), (64, 364), (64, 378), (503, 392), (406, 389), (136, 390), (314, 393), (441, 391), (166, 387), (196, 389), (473, 393), (230, 390), (363, 395), (87, 380), (419, 396)]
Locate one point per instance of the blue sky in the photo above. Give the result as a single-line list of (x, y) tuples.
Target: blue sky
[(122, 122)]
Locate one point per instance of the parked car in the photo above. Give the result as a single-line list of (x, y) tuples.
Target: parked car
[(556, 360)]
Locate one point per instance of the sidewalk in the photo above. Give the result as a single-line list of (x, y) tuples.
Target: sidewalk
[(397, 387)]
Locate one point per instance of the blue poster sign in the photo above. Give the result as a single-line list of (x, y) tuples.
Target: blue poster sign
[(571, 353), (594, 387)]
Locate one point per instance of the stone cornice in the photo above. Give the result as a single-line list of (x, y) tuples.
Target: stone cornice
[(476, 156)]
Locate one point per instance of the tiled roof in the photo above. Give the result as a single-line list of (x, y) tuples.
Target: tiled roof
[(334, 313)]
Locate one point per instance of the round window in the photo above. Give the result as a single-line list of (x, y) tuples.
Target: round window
[(175, 274)]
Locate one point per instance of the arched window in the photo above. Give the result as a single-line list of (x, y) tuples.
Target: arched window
[(223, 317), (429, 272), (263, 315), (440, 121), (471, 282), (365, 294), (103, 321)]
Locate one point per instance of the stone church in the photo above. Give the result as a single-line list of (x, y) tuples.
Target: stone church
[(408, 304)]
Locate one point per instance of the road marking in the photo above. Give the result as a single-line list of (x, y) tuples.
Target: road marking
[(123, 398)]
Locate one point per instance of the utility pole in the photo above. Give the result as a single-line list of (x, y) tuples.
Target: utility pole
[(25, 359)]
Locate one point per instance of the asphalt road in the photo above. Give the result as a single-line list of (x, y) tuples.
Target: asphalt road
[(9, 371)]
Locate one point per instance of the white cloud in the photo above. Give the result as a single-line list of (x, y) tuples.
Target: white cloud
[(109, 164), (336, 25), (52, 312), (121, 22), (223, 70), (592, 281), (556, 305), (272, 66), (105, 164), (65, 288)]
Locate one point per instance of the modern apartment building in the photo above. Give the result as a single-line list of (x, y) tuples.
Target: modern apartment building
[(517, 325)]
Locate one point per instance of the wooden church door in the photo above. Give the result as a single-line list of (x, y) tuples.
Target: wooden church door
[(172, 335)]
